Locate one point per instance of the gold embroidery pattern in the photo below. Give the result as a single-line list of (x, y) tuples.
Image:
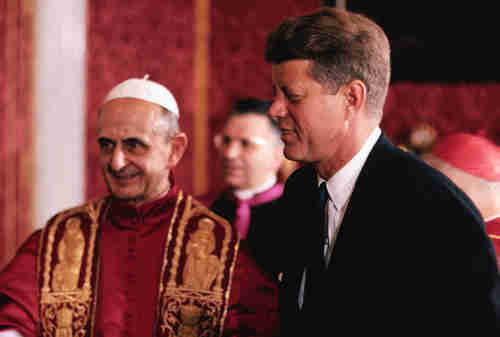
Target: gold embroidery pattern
[(190, 313), (70, 253), (202, 267), (178, 241), (65, 308), (180, 197), (198, 305)]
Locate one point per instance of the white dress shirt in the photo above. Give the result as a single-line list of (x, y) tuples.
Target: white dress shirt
[(340, 187)]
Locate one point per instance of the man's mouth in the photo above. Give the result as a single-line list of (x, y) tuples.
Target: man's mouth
[(287, 133), (125, 176), (232, 168), (125, 173)]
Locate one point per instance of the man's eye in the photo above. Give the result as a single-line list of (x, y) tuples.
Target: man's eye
[(245, 143), (106, 146), (294, 99), (133, 146), (274, 91), (226, 140)]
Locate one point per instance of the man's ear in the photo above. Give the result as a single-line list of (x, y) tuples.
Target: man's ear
[(178, 145), (355, 93)]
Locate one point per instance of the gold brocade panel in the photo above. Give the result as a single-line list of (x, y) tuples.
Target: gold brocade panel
[(67, 272), (200, 254)]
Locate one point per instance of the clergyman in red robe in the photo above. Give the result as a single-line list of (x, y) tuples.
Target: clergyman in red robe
[(146, 260)]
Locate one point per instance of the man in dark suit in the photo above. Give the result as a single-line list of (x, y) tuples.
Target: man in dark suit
[(396, 248), (251, 154)]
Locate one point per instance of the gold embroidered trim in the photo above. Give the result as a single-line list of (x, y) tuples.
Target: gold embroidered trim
[(494, 236), (190, 313), (169, 238), (65, 309), (228, 238), (202, 266), (180, 236), (198, 305), (70, 252)]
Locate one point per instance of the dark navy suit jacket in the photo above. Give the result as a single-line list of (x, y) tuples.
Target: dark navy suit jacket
[(264, 233), (411, 256)]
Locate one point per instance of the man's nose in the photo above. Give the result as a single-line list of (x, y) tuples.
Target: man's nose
[(278, 108), (231, 149), (118, 159)]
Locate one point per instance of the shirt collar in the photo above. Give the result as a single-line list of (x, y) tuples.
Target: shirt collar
[(341, 184), (248, 193)]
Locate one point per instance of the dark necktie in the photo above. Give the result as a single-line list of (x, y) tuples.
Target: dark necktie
[(323, 201), (316, 268)]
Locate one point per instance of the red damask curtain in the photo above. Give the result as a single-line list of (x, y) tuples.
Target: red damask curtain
[(206, 52), (16, 118), (447, 107)]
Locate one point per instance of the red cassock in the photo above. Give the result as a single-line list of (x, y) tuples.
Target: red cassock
[(133, 260), (493, 230)]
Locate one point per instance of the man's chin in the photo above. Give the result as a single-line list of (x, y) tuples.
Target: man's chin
[(234, 182), (291, 155), (124, 196), (128, 199)]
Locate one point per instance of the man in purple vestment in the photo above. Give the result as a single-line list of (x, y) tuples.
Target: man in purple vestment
[(251, 153), (147, 260)]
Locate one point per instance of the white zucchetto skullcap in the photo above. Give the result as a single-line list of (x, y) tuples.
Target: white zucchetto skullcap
[(146, 90)]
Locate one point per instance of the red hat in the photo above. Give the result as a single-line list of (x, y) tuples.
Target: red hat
[(473, 154)]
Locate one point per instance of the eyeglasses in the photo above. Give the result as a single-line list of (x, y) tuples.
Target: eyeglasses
[(223, 141)]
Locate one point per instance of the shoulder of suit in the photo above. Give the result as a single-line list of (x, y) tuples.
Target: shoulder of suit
[(222, 200), (301, 180), (303, 172)]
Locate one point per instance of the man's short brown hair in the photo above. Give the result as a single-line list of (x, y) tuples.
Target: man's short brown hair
[(342, 46)]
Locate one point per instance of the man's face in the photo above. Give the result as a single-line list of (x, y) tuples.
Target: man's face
[(313, 121), (250, 151), (135, 159)]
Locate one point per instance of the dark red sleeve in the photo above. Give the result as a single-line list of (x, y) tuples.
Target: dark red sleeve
[(253, 305), (18, 299)]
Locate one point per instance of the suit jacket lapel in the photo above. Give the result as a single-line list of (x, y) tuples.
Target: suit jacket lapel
[(358, 213), (316, 229)]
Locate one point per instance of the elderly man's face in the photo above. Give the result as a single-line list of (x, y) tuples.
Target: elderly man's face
[(135, 159), (250, 150)]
